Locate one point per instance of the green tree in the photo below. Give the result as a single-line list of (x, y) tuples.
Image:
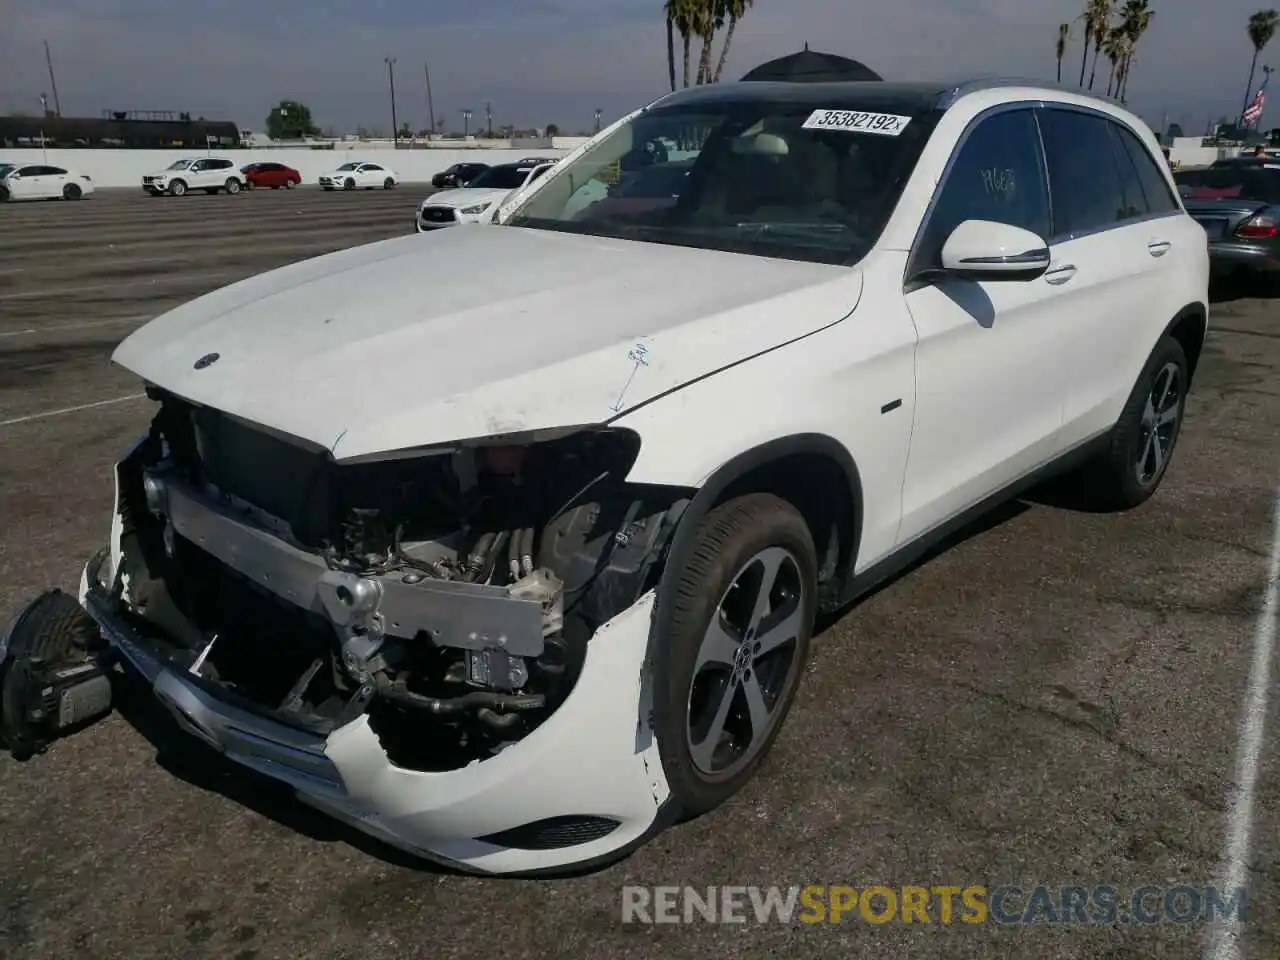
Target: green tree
[(290, 120), (553, 130), (1098, 17), (1261, 28), (733, 10)]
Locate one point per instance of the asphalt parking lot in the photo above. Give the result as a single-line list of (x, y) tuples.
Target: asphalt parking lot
[(1056, 700)]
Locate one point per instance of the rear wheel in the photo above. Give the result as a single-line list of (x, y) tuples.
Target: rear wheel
[(232, 185), (727, 674), (178, 188), (71, 192), (290, 184), (1141, 443)]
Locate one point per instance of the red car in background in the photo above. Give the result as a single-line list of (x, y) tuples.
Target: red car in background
[(273, 175)]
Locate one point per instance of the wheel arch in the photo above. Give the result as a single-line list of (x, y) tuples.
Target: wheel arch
[(812, 471), (1190, 327)]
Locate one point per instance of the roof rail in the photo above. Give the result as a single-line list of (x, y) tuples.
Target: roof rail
[(994, 82)]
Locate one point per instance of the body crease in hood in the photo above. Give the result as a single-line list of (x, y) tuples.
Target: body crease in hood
[(435, 338)]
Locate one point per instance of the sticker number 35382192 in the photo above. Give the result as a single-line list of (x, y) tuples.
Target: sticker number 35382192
[(857, 121)]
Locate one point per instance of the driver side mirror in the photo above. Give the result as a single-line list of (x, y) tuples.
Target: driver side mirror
[(988, 250)]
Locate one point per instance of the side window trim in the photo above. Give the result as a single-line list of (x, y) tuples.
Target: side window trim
[(1127, 222), (910, 278)]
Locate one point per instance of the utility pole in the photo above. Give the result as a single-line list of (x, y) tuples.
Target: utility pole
[(488, 117), (48, 59), (598, 113), (44, 112), (466, 122), (391, 80), (431, 110)]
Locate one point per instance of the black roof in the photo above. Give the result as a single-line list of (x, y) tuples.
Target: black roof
[(905, 98)]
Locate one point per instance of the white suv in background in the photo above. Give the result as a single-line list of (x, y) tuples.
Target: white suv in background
[(477, 201), (209, 174)]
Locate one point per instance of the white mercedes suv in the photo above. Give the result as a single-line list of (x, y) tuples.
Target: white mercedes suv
[(506, 545)]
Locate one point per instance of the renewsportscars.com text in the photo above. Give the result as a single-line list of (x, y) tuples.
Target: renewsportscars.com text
[(972, 904)]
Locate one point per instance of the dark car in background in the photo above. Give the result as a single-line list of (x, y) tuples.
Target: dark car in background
[(1239, 207), (273, 175), (459, 175)]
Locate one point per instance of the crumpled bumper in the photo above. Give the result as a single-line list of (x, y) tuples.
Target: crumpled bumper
[(595, 760)]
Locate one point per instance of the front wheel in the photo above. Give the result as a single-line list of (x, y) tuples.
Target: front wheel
[(1141, 443), (178, 188), (348, 184), (388, 184), (726, 675), (232, 185)]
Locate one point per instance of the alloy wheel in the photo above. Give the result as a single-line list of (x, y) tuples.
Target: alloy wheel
[(1159, 424), (747, 665)]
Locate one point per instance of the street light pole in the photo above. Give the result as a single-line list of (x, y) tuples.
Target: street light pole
[(391, 80), (466, 123), (431, 110), (598, 113), (488, 117), (44, 112)]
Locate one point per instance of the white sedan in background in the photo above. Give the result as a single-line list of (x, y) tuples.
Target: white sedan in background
[(477, 201), (36, 181), (359, 176)]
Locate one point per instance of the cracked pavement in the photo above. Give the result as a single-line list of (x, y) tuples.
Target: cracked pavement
[(1055, 699)]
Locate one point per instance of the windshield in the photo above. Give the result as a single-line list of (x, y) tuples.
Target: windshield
[(5, 169), (501, 178), (178, 165), (349, 166), (1240, 182), (772, 177)]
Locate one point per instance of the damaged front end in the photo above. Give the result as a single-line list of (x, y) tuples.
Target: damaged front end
[(449, 595)]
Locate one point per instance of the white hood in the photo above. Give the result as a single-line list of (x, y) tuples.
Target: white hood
[(461, 334), (465, 197)]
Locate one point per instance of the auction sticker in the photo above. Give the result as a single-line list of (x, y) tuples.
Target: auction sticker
[(857, 121)]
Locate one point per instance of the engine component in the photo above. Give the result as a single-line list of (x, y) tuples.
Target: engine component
[(497, 670), (52, 680)]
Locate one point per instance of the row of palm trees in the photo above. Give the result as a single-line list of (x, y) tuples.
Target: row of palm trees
[(1111, 30), (701, 20)]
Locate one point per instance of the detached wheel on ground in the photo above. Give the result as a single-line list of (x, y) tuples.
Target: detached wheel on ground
[(726, 675), (71, 192), (1141, 444)]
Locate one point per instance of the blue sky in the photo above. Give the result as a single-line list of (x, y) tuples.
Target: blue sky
[(555, 61)]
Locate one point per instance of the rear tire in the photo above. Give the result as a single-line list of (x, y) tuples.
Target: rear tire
[(290, 184), (1142, 442), (232, 185), (718, 650), (71, 192)]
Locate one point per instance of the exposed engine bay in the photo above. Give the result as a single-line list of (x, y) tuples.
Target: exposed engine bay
[(450, 594)]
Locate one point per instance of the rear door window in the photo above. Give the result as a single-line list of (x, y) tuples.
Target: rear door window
[(1155, 187), (1084, 179)]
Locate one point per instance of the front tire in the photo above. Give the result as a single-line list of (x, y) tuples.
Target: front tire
[(1142, 442), (348, 184), (726, 675), (178, 188), (388, 184)]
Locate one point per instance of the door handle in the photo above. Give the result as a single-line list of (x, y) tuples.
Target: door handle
[(1060, 274), (1158, 248)]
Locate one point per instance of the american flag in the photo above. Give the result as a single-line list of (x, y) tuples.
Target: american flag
[(1253, 112)]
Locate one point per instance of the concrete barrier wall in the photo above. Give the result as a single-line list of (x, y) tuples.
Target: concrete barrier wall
[(125, 168)]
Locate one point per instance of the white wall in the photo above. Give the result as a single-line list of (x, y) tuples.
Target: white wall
[(1188, 152), (125, 168)]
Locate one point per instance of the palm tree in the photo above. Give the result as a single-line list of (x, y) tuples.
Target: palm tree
[(1262, 27), (1098, 22), (1113, 48), (708, 17), (1135, 19), (680, 19), (735, 10), (1064, 33)]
